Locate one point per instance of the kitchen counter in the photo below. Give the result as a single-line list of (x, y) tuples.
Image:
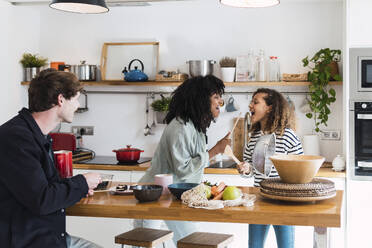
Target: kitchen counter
[(323, 172), (320, 214)]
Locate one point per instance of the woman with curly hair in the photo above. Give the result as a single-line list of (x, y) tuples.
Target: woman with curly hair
[(270, 113), (182, 150)]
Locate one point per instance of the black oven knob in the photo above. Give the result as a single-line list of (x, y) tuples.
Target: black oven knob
[(364, 105)]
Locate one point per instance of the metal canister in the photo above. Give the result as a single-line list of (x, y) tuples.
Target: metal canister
[(84, 72), (201, 67)]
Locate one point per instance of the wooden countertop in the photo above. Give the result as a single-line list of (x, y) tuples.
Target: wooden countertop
[(326, 213), (323, 172)]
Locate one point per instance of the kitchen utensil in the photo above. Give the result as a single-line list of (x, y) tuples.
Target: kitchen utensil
[(135, 75), (147, 193), (297, 168), (264, 148), (147, 129), (128, 154), (153, 125), (177, 189), (84, 72), (228, 151), (163, 180), (231, 105), (200, 67)]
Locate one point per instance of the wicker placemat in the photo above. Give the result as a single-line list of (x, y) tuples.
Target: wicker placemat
[(316, 188), (298, 199)]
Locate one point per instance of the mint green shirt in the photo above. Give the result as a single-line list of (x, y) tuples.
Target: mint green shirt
[(182, 152)]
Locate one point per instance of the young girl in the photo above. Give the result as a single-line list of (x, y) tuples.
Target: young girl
[(270, 114)]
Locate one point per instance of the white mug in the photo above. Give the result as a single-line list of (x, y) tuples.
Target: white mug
[(164, 180)]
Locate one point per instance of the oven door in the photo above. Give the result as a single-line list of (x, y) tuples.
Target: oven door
[(365, 73), (363, 134)]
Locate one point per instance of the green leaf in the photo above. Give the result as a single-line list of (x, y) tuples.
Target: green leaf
[(309, 115)]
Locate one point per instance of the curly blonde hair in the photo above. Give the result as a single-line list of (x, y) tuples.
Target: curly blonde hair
[(281, 115)]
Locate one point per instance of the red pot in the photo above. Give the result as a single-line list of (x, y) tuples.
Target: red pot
[(128, 154)]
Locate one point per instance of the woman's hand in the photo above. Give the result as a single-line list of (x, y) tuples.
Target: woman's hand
[(245, 168), (220, 146)]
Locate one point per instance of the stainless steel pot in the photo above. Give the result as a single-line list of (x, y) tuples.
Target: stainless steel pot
[(84, 72), (200, 67)]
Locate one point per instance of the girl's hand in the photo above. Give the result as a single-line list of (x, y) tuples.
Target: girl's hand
[(245, 168)]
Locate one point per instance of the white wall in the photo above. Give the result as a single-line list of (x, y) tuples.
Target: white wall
[(189, 30), (185, 30), (20, 33)]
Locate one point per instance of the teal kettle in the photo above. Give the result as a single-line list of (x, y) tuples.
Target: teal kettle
[(135, 75)]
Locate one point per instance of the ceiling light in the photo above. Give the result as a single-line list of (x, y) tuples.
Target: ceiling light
[(80, 6), (250, 3)]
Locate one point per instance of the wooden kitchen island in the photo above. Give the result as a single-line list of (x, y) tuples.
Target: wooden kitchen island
[(321, 214)]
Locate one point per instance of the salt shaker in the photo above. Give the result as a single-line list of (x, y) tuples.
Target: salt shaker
[(338, 163)]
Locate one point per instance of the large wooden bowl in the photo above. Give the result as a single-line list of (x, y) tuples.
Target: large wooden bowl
[(297, 168)]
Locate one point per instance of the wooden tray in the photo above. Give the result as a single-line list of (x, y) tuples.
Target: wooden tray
[(297, 199)]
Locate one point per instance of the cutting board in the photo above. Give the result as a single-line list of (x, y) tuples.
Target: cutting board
[(238, 139)]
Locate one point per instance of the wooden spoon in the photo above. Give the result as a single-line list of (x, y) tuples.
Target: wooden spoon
[(236, 122), (228, 151)]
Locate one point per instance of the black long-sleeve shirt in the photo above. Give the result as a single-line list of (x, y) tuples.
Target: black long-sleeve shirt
[(33, 197)]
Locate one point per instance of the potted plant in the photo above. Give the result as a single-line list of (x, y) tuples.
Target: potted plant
[(227, 65), (31, 65), (324, 68), (161, 107)]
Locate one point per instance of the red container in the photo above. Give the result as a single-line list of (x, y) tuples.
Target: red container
[(63, 163), (128, 154)]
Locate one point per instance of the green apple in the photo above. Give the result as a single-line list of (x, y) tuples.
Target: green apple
[(207, 190), (231, 193)]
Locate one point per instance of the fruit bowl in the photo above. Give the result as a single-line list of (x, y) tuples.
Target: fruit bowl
[(178, 188), (297, 168)]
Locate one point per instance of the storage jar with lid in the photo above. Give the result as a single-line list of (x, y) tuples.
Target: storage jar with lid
[(274, 69)]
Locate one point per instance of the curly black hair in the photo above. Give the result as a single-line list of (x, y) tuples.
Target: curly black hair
[(191, 101)]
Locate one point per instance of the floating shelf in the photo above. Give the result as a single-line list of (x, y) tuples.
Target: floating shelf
[(175, 84)]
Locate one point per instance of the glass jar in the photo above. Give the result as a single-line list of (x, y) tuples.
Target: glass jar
[(261, 72), (274, 69), (251, 66)]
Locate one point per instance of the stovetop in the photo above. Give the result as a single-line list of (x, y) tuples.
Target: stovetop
[(110, 160)]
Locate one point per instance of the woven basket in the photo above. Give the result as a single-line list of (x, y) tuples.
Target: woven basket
[(294, 77)]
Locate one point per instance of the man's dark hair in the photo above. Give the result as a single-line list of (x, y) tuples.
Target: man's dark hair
[(191, 101), (47, 85)]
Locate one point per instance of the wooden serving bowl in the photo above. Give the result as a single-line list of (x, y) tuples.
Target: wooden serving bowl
[(297, 168)]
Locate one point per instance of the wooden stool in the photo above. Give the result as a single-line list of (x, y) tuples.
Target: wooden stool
[(143, 237), (205, 240)]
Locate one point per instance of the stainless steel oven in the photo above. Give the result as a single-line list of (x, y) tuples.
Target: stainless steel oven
[(361, 135)]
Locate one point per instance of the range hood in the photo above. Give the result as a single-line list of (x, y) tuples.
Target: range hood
[(110, 3)]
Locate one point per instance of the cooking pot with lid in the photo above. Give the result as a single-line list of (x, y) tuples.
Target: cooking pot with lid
[(128, 154), (84, 72), (200, 67)]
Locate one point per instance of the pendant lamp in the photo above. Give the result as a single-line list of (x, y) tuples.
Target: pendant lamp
[(250, 3), (80, 6)]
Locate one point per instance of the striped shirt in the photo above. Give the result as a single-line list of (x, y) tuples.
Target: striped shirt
[(288, 143)]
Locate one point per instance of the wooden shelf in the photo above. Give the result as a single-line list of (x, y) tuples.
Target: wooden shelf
[(175, 84)]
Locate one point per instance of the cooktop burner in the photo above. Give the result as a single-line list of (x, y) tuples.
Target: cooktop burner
[(109, 160)]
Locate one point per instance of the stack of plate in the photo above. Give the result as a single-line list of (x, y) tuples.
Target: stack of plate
[(317, 189)]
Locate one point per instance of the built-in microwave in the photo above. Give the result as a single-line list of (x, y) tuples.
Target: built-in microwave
[(365, 73)]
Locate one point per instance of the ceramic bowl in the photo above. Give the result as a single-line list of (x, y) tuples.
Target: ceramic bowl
[(178, 188), (297, 168), (147, 193)]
